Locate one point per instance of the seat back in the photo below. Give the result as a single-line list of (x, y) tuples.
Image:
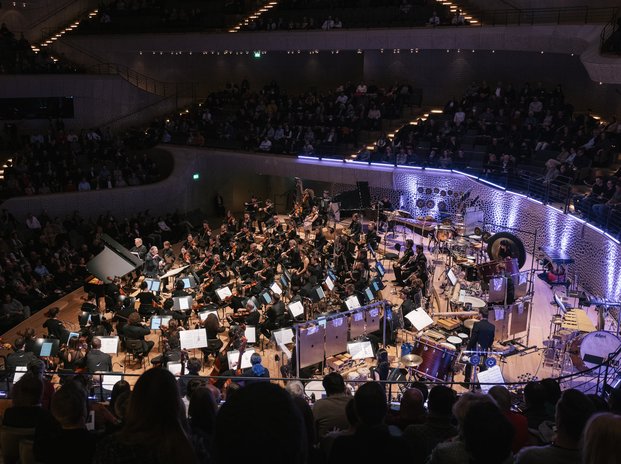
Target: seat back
[(10, 438), (133, 345), (26, 452)]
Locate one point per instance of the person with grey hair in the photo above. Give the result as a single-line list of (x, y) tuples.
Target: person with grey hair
[(295, 388)]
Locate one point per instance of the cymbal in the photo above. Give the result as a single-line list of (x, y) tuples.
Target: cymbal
[(411, 360)]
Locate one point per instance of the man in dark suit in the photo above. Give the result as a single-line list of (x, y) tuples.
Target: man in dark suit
[(134, 330), (481, 339), (96, 360), (20, 358), (275, 316)]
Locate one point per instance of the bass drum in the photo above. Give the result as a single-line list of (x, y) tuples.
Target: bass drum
[(438, 359), (589, 350)]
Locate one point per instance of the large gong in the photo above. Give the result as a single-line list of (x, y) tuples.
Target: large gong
[(513, 243)]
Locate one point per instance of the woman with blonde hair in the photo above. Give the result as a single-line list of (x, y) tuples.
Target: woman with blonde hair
[(602, 436)]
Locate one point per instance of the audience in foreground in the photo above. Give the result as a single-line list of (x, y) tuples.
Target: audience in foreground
[(262, 421)]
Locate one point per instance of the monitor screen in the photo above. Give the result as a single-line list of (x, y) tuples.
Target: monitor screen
[(223, 293), (377, 285), (156, 323), (352, 302), (296, 308), (452, 277), (265, 297), (369, 293), (380, 269), (153, 285), (46, 349), (72, 335), (276, 288), (329, 283), (331, 275)]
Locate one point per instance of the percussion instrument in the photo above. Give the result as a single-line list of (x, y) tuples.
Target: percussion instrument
[(477, 303), (444, 233), (589, 350), (411, 360), (455, 341), (437, 358), (469, 323), (448, 346), (514, 244), (315, 387), (463, 336), (460, 228)]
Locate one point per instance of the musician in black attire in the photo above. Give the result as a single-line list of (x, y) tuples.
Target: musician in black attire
[(372, 238), (355, 228), (139, 248), (136, 331), (20, 357), (152, 263), (96, 360), (274, 317), (406, 262), (481, 340), (121, 316), (55, 328), (148, 301)]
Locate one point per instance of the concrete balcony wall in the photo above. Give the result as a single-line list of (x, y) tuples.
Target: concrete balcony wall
[(98, 100)]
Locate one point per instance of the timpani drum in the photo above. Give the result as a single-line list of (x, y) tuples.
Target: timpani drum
[(589, 350), (475, 303), (469, 323), (438, 358), (455, 341)]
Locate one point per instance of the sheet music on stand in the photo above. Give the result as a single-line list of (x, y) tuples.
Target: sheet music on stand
[(419, 319), (360, 350), (109, 379), (191, 339), (233, 357), (282, 338), (492, 375)]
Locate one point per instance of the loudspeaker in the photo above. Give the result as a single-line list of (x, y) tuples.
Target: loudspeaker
[(364, 194)]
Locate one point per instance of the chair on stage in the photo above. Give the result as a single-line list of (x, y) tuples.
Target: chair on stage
[(134, 349), (393, 256)]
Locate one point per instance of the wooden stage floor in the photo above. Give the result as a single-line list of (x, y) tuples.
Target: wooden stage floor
[(516, 368)]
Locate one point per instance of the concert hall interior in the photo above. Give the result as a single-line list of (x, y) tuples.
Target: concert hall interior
[(310, 231)]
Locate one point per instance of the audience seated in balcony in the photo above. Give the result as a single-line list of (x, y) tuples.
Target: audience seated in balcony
[(17, 57), (63, 161)]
